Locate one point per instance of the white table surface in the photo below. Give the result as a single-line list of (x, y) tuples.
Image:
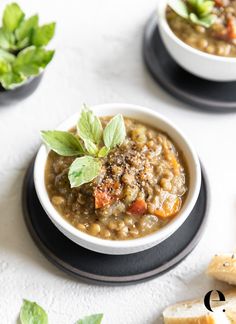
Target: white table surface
[(98, 60)]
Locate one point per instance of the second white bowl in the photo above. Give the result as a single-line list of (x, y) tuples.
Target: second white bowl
[(201, 64)]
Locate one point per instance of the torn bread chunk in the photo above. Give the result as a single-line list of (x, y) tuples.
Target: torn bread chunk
[(195, 312), (223, 267)]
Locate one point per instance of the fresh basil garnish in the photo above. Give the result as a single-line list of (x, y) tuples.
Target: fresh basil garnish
[(32, 313), (63, 143), (114, 133), (197, 11), (92, 319), (205, 21), (89, 129), (83, 170), (179, 7), (103, 151), (89, 126), (91, 148)]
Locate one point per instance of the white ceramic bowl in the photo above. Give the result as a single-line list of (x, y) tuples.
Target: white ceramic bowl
[(207, 66), (129, 246)]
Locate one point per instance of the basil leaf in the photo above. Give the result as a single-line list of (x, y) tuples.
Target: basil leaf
[(24, 31), (103, 152), (7, 39), (114, 133), (63, 143), (89, 126), (205, 8), (90, 147), (6, 56), (12, 16), (11, 80), (31, 60), (92, 319), (5, 67), (179, 7), (206, 21), (42, 35), (32, 313), (83, 170)]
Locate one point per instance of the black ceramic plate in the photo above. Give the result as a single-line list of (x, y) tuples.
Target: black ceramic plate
[(215, 96), (111, 269), (8, 97)]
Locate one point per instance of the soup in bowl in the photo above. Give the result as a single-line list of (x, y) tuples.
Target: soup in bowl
[(127, 191), (204, 46)]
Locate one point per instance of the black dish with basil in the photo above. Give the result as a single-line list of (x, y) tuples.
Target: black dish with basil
[(23, 54), (209, 26), (113, 177)]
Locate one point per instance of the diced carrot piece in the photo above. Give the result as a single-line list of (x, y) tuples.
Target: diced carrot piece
[(231, 28), (138, 207), (219, 3), (165, 211), (171, 158), (104, 194), (102, 198)]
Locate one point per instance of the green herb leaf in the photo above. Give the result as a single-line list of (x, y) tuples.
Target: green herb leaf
[(63, 143), (42, 35), (11, 80), (12, 16), (89, 126), (114, 133), (201, 8), (103, 152), (5, 67), (90, 147), (206, 8), (92, 319), (31, 60), (4, 55), (32, 313), (179, 7), (206, 21), (25, 30), (7, 39), (83, 170)]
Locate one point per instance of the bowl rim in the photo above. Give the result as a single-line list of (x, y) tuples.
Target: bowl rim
[(162, 4), (157, 236)]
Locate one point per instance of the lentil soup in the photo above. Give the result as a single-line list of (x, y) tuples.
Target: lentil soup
[(219, 39), (141, 186)]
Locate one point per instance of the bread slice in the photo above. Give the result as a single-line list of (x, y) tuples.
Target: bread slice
[(195, 312), (223, 267)]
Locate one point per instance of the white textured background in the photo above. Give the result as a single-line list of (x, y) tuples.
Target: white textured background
[(98, 60)]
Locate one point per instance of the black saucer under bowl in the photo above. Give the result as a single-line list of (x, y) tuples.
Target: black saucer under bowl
[(94, 267), (211, 95), (8, 97)]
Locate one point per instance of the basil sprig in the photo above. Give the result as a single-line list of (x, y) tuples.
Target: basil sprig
[(197, 11), (22, 41), (90, 143), (32, 313)]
